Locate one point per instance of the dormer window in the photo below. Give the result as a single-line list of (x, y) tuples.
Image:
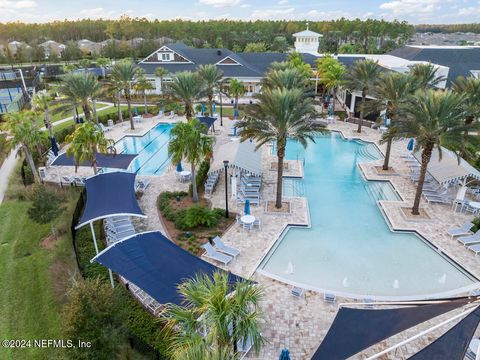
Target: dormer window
[(165, 56)]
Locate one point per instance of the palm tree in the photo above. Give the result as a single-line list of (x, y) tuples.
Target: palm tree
[(211, 76), (432, 117), (186, 87), (124, 74), (236, 89), (84, 64), (190, 142), (425, 76), (362, 77), (223, 313), (141, 87), (161, 72), (103, 62), (332, 74), (288, 78), (24, 133), (390, 92), (278, 115), (85, 142), (41, 101), (81, 89)]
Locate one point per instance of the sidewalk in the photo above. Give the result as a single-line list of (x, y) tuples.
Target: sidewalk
[(6, 170)]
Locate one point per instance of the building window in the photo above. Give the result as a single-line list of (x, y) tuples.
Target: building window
[(165, 56)]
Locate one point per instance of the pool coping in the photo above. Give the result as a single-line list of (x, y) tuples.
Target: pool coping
[(437, 249)]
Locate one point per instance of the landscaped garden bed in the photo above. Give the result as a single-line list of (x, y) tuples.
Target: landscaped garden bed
[(190, 224)]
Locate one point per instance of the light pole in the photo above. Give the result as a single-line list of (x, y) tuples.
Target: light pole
[(225, 164), (221, 106)]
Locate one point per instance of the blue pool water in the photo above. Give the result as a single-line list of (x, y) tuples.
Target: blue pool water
[(349, 248), (152, 150)]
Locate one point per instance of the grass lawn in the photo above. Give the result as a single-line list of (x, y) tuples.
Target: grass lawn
[(34, 273), (59, 116)]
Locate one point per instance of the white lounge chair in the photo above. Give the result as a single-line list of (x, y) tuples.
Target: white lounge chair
[(462, 230), (475, 248), (103, 127), (213, 254), (142, 185), (68, 180), (440, 199), (329, 298), (470, 240), (220, 246), (297, 291)]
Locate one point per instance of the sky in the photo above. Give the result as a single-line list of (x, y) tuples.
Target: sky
[(413, 11)]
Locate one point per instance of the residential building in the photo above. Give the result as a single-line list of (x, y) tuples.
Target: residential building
[(52, 48)]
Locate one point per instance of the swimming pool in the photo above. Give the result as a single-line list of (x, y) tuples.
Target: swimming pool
[(350, 248), (152, 150)]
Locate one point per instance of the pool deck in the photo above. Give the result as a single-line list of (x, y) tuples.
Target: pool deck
[(301, 324)]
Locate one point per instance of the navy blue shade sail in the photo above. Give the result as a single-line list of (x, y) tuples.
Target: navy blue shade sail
[(155, 264), (207, 120), (54, 145), (110, 194), (454, 343), (117, 161), (354, 330)]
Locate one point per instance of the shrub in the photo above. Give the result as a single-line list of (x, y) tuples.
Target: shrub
[(476, 224), (198, 215), (46, 205)]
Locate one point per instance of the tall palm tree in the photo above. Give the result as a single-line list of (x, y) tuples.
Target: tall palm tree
[(124, 74), (362, 77), (332, 75), (223, 313), (85, 142), (288, 78), (141, 87), (24, 133), (278, 115), (186, 87), (390, 92), (211, 76), (41, 101), (236, 89), (190, 142), (425, 76), (80, 90), (161, 72), (432, 117)]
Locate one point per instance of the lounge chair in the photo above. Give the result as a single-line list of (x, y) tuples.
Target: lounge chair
[(142, 185), (297, 291), (68, 180), (257, 223), (440, 199), (462, 230), (220, 246), (475, 249), (329, 298), (470, 239), (213, 254), (120, 236)]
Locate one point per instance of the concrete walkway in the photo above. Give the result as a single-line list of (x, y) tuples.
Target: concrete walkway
[(6, 170)]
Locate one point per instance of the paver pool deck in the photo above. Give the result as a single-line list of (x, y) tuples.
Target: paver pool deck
[(301, 324)]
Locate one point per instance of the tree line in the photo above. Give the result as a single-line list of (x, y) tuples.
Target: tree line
[(448, 28), (231, 34)]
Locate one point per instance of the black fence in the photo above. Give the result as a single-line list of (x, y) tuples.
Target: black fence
[(82, 199)]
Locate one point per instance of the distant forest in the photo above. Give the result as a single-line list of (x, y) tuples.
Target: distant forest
[(449, 28), (354, 35)]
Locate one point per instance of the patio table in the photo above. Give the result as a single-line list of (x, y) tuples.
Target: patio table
[(247, 219)]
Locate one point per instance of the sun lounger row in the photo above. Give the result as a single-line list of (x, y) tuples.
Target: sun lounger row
[(219, 251), (118, 228), (466, 237), (73, 180), (211, 182), (50, 157)]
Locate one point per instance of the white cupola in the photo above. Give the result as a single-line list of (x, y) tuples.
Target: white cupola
[(307, 41)]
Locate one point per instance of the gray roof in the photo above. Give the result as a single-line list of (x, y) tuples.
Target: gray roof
[(459, 60), (251, 64), (240, 155)]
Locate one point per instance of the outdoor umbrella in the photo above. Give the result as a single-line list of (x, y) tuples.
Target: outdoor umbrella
[(411, 144), (135, 111), (235, 113), (285, 355), (386, 120), (214, 108), (179, 167), (330, 110), (204, 108), (247, 207), (54, 146)]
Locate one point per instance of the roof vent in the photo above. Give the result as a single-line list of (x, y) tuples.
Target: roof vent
[(219, 52)]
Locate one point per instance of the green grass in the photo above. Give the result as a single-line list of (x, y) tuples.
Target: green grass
[(62, 115), (33, 278)]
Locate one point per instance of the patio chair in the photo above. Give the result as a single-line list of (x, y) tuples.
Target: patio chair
[(247, 226), (142, 185), (440, 199), (220, 246), (120, 236), (475, 249), (329, 298), (213, 254), (79, 181), (297, 291), (68, 180), (470, 240), (256, 223), (103, 127), (464, 229)]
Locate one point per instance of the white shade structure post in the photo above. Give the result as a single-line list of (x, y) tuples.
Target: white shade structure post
[(96, 251)]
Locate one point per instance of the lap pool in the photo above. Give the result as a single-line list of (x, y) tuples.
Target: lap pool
[(350, 249), (152, 150)]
